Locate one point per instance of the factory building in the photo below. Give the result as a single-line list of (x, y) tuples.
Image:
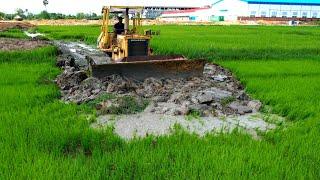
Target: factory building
[(228, 10), (283, 9), (233, 10), (218, 10), (152, 12), (194, 14)]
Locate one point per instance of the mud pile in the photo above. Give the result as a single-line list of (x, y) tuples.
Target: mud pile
[(10, 44), (216, 93), (5, 25)]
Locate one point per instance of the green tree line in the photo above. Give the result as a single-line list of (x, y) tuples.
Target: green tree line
[(25, 14)]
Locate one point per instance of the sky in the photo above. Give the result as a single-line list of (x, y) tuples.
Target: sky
[(88, 6)]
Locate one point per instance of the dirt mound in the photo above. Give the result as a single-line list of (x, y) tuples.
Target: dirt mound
[(5, 25), (211, 94), (216, 93), (7, 44)]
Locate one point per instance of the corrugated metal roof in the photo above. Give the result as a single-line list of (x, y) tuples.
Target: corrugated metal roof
[(303, 2), (185, 11), (157, 3)]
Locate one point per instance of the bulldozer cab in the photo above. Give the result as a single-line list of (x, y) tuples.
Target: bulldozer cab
[(132, 14), (132, 42)]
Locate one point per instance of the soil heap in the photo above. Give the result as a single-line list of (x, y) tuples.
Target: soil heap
[(216, 93)]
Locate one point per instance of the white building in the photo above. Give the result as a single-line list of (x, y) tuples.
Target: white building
[(267, 9), (195, 14), (233, 10), (228, 10), (219, 10), (152, 12), (284, 8)]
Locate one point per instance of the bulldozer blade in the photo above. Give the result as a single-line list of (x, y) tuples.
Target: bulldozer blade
[(142, 69)]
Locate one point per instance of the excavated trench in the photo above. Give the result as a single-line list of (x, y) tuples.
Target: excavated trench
[(213, 103)]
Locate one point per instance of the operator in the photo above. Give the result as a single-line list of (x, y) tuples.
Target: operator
[(119, 26)]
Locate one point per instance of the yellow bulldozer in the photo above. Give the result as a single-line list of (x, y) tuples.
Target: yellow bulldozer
[(130, 53)]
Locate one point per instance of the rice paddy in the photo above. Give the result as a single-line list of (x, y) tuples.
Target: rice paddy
[(43, 138)]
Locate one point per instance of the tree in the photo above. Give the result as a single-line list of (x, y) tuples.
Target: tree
[(20, 13), (94, 16), (2, 15), (9, 16), (80, 15), (71, 16), (61, 16), (43, 15), (30, 16), (45, 3), (56, 16)]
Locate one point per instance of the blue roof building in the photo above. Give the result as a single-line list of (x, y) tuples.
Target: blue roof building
[(285, 2), (268, 9), (234, 10)]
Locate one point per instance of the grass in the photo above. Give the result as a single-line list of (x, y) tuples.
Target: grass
[(88, 34), (290, 87), (100, 99), (12, 33), (226, 101), (216, 42), (239, 43), (193, 114), (127, 105), (41, 137), (119, 105)]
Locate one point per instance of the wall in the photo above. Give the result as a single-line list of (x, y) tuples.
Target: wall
[(267, 10), (229, 9)]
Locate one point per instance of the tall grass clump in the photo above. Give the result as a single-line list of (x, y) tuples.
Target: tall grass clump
[(88, 34), (13, 33)]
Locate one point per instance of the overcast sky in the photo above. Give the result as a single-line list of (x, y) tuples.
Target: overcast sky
[(88, 6)]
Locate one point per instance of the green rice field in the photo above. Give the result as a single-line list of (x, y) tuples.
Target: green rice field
[(43, 138)]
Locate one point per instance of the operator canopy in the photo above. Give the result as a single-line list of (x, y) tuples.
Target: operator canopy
[(122, 9)]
